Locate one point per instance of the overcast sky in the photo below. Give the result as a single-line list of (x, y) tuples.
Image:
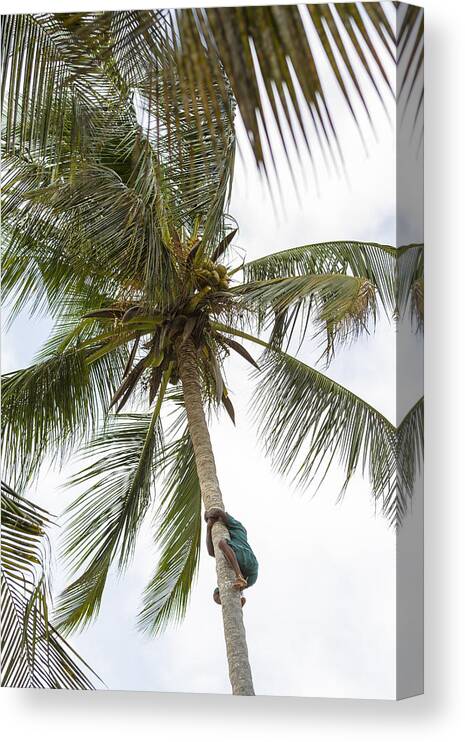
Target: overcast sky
[(321, 619)]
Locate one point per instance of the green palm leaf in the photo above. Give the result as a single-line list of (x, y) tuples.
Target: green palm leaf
[(34, 655), (49, 251), (50, 406), (340, 305), (232, 49), (178, 537), (409, 453), (395, 273), (306, 420), (368, 260), (306, 417), (104, 521), (410, 58), (51, 84), (272, 44), (122, 215), (409, 282), (67, 62)]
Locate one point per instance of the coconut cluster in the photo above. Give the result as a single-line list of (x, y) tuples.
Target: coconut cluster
[(212, 274)]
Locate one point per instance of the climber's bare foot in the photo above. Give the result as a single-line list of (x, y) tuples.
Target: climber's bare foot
[(217, 599)]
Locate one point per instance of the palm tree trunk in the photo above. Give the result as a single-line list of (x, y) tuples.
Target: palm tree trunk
[(234, 632)]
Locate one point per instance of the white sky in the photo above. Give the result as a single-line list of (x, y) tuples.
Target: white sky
[(321, 619)]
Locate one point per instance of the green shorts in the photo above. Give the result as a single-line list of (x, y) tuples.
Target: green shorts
[(247, 562)]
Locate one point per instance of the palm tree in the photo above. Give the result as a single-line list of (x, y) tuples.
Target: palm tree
[(34, 654), (173, 353), (117, 180)]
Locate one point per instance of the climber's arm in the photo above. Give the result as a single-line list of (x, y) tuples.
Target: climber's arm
[(216, 514), (210, 549)]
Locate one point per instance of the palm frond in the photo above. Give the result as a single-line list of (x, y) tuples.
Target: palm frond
[(88, 228), (409, 455), (369, 260), (212, 53), (410, 282), (34, 655), (396, 273), (50, 250), (230, 343), (272, 44), (189, 126), (410, 59), (104, 521), (268, 55), (178, 537), (50, 406), (54, 92), (123, 214), (340, 305), (306, 420), (58, 66)]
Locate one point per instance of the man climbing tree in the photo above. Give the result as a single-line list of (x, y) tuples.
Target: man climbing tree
[(236, 550)]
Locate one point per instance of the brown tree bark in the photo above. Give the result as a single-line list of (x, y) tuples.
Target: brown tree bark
[(234, 632)]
